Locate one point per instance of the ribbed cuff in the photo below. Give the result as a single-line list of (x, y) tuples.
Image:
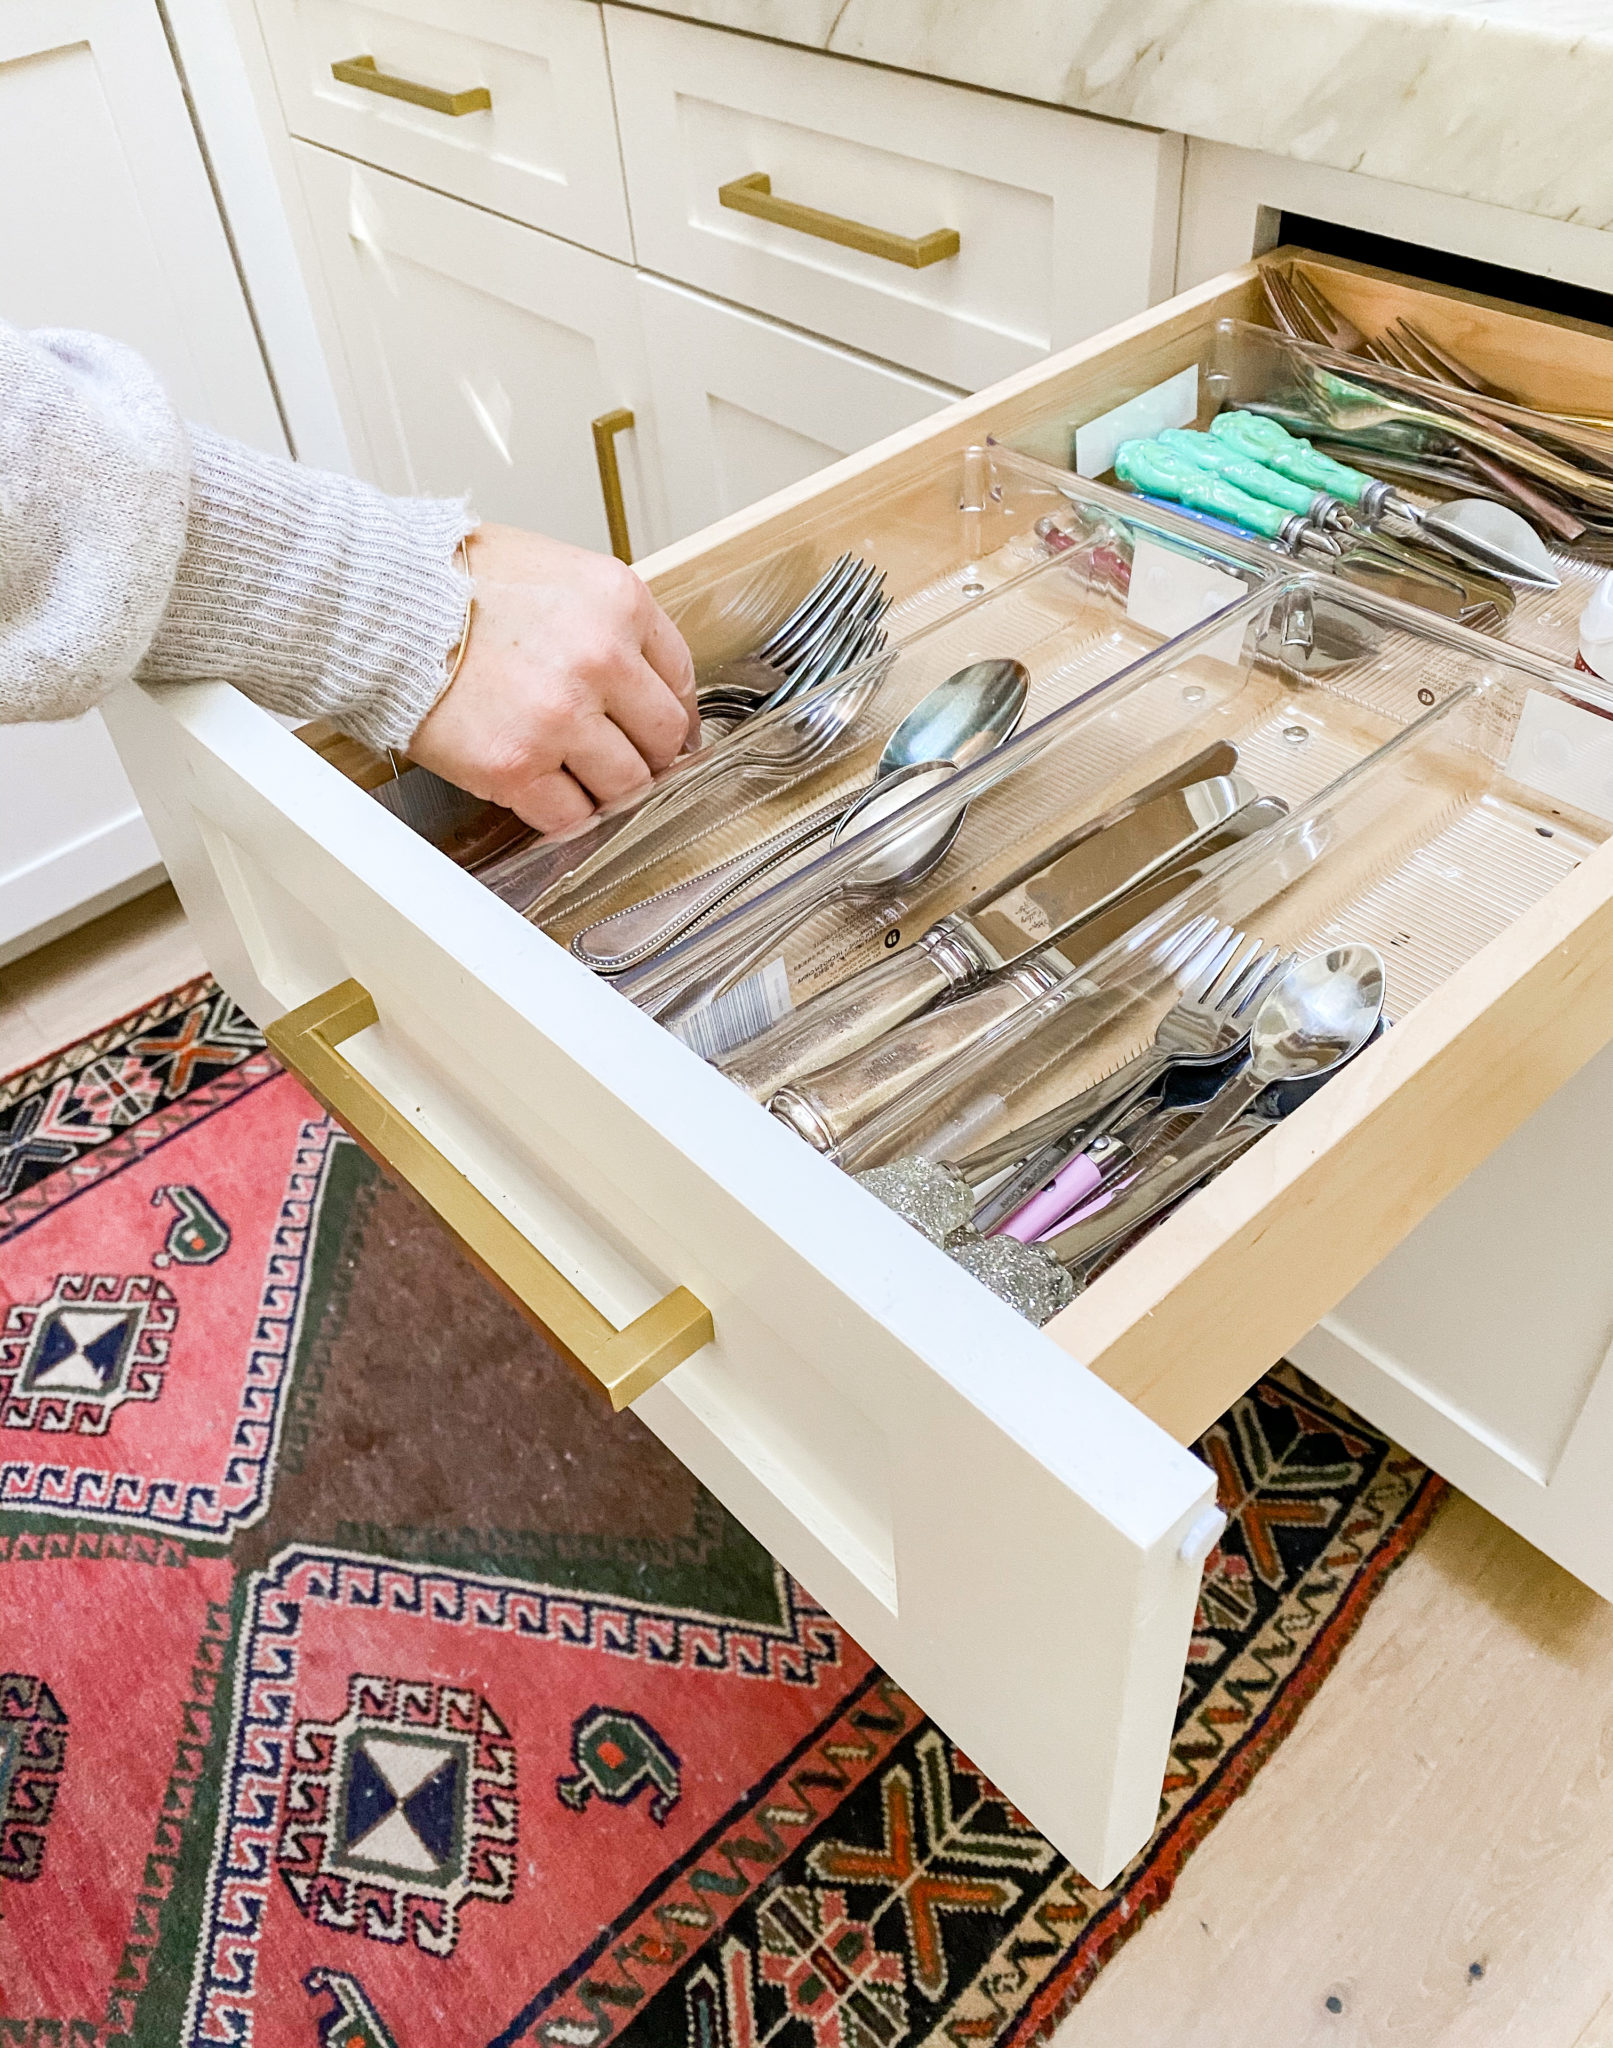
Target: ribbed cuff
[(317, 596)]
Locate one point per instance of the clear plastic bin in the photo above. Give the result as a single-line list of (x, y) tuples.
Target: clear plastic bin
[(1244, 364), (1422, 821)]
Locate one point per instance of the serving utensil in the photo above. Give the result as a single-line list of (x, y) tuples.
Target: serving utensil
[(955, 724), (1454, 590)]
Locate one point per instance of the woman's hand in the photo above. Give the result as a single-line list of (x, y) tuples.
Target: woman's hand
[(575, 688)]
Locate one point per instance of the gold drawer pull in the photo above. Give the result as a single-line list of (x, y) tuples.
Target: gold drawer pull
[(606, 428), (362, 72), (625, 1363), (754, 195)]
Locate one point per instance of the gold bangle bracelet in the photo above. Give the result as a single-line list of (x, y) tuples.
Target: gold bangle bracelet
[(463, 552)]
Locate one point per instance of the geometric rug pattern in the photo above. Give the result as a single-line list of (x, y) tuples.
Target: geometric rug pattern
[(363, 1685)]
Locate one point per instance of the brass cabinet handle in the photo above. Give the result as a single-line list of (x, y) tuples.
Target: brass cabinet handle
[(363, 72), (625, 1363), (754, 195), (606, 428)]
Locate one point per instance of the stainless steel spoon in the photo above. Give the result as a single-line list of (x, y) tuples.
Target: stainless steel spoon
[(957, 723)]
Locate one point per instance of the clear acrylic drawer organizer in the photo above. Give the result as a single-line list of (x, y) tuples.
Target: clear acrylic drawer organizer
[(1422, 818), (970, 578)]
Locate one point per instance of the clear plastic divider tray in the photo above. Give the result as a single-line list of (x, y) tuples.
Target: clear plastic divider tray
[(1072, 617), (1242, 364), (1438, 784)]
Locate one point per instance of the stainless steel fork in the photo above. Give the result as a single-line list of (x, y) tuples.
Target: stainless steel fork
[(1223, 983), (836, 625)]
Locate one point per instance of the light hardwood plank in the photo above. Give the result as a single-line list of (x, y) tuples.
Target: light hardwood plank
[(1446, 1802), (66, 989)]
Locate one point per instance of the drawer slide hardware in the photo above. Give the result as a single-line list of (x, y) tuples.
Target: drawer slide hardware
[(606, 428), (365, 73), (624, 1363), (754, 195)]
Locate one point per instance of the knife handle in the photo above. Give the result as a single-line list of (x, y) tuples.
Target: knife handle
[(842, 1020), (829, 1105), (1268, 441), (1162, 473), (1242, 471)]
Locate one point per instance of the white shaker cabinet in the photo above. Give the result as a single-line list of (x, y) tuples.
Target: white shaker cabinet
[(477, 353), (746, 406), (107, 221)]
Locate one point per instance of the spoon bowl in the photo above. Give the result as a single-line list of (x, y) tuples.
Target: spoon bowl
[(954, 724), (961, 719), (1320, 1014)]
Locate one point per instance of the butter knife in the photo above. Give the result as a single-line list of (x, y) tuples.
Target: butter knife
[(1006, 950), (858, 1010)]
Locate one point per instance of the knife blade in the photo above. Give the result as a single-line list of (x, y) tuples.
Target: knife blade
[(1027, 916)]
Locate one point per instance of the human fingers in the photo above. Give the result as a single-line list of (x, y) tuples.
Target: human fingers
[(605, 761), (550, 801), (641, 703), (667, 652)]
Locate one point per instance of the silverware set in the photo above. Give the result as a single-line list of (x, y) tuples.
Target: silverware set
[(1429, 408), (1036, 1215)]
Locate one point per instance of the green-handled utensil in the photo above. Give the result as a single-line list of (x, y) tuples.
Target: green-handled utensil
[(1317, 507), (1162, 471), (1475, 530), (1374, 561)]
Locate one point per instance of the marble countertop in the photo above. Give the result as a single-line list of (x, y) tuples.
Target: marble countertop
[(1505, 101)]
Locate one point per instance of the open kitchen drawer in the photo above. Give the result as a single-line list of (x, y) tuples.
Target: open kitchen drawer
[(1005, 1518)]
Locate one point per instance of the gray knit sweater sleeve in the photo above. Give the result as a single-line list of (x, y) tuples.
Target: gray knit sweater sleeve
[(131, 545)]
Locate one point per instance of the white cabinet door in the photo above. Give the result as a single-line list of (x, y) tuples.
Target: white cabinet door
[(107, 221), (1484, 1342), (479, 351), (745, 407)]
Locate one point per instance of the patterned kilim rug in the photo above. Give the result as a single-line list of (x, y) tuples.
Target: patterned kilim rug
[(363, 1684)]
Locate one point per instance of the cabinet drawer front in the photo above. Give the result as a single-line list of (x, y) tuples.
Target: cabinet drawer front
[(1063, 224), (857, 1379), (503, 102), (478, 351), (855, 1375), (745, 407)]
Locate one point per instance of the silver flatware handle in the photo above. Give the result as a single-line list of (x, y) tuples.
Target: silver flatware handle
[(636, 934), (826, 1107), (838, 1023), (1166, 1182)]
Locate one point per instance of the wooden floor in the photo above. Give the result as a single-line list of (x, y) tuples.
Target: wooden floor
[(1427, 1860), (94, 974)]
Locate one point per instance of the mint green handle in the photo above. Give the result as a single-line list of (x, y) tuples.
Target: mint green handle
[(1234, 467), (1163, 473), (1252, 434)]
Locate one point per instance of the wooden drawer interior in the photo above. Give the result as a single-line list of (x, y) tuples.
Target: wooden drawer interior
[(1194, 1313)]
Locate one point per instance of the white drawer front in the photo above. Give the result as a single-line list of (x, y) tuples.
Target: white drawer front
[(1013, 1541), (543, 147), (1064, 224), (477, 352), (744, 406)]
